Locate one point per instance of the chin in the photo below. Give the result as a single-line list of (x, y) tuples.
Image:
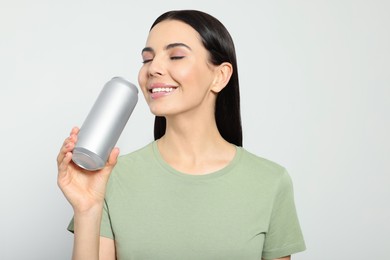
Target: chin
[(157, 112), (160, 110)]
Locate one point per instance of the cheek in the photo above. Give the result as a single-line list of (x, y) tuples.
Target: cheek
[(142, 80), (186, 75), (142, 77), (198, 78)]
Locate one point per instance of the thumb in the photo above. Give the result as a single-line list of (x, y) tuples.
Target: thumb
[(113, 158)]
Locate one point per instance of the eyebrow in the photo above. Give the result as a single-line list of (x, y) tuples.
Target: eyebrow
[(169, 46)]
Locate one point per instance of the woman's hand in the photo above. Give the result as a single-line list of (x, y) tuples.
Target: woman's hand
[(83, 189)]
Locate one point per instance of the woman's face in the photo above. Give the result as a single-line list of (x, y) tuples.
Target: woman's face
[(176, 76)]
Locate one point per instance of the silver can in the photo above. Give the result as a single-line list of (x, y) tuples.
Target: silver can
[(104, 124)]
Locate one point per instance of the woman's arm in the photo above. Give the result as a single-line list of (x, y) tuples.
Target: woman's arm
[(88, 244), (107, 249), (87, 233), (85, 191)]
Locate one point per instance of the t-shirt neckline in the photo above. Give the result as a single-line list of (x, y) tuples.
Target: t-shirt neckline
[(226, 169)]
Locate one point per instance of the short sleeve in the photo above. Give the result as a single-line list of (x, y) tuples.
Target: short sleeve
[(284, 236), (71, 226), (105, 227)]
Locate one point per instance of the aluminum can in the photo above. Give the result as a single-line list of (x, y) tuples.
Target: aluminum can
[(104, 124)]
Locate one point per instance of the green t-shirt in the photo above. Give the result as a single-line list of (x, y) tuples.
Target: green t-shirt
[(243, 211)]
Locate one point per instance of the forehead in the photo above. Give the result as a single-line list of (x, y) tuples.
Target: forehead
[(169, 31)]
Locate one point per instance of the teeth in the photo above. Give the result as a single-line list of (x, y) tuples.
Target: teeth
[(154, 90)]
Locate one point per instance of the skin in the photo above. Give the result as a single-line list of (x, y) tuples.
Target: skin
[(174, 56), (192, 143), (85, 192)]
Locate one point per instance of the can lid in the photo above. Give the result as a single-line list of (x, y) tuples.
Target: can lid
[(87, 160)]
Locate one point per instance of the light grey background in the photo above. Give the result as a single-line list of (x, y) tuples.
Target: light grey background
[(315, 98)]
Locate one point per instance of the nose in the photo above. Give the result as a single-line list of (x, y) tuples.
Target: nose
[(156, 67)]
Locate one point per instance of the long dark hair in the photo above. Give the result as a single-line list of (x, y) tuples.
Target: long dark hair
[(218, 42)]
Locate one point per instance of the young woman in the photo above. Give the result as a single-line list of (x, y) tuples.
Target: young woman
[(193, 193)]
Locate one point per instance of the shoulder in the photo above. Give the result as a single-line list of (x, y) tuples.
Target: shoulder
[(263, 180), (260, 165), (263, 173)]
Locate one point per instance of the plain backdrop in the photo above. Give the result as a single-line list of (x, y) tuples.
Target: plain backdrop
[(315, 90)]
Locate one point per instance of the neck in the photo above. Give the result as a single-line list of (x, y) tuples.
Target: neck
[(194, 145), (191, 135)]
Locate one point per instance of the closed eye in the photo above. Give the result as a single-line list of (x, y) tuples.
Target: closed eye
[(177, 57), (146, 61)]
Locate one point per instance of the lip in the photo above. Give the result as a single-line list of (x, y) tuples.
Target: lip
[(157, 95)]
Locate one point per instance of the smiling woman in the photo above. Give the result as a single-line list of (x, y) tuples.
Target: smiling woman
[(176, 59), (194, 192)]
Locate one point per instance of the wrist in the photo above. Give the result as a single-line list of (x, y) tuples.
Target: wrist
[(92, 210)]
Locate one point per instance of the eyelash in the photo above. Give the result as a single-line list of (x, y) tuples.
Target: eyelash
[(146, 61), (172, 58), (177, 57)]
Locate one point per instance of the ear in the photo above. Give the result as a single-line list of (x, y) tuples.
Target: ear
[(223, 72)]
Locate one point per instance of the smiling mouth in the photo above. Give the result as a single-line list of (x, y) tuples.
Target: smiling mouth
[(164, 90)]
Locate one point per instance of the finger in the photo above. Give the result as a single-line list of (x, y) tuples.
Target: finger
[(75, 130), (64, 177), (72, 137), (68, 144), (112, 159), (64, 164), (65, 148)]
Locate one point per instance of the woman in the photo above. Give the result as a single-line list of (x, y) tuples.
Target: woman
[(193, 193)]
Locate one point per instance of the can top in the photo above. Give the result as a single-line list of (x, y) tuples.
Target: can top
[(127, 83)]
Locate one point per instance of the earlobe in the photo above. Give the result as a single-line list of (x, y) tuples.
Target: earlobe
[(222, 76)]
